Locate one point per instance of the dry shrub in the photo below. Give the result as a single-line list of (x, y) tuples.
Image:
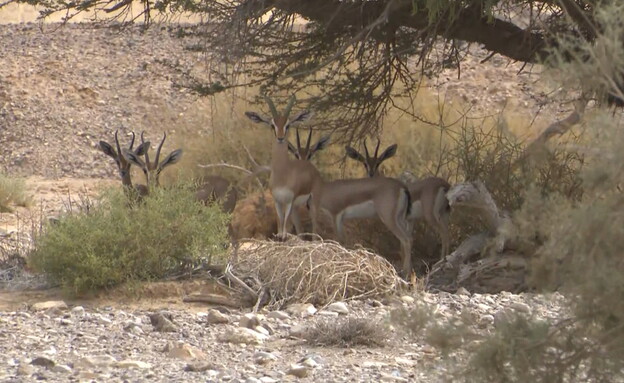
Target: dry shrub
[(12, 193), (317, 272), (346, 332)]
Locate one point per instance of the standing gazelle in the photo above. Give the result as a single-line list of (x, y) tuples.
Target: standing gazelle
[(123, 165), (292, 181), (428, 195)]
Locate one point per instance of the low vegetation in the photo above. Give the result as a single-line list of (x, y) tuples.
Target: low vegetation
[(12, 193), (110, 243), (347, 332)]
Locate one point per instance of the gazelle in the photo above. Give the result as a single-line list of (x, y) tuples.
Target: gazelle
[(306, 153), (152, 169), (383, 197), (212, 188), (292, 181), (123, 164), (428, 195)]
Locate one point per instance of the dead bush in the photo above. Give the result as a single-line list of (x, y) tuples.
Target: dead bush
[(318, 272), (348, 332)]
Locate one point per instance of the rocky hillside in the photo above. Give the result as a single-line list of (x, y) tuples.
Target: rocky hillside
[(64, 88)]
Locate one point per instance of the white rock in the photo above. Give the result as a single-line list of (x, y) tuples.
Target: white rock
[(252, 380), (262, 357), (243, 335), (327, 313), (301, 310), (298, 370), (62, 369), (268, 379), (407, 299), (95, 361), (40, 306), (340, 307), (78, 311), (520, 307)]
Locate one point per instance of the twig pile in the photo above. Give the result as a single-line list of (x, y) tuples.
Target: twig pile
[(317, 272)]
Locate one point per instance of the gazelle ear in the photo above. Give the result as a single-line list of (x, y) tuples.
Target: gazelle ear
[(141, 149), (302, 116), (134, 159), (171, 159), (352, 153), (388, 153), (293, 150), (108, 149), (255, 117), (320, 145)]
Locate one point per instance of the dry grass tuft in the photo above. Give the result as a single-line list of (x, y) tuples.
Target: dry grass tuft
[(318, 272), (348, 332)]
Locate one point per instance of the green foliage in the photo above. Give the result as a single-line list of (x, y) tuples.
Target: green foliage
[(113, 243), (346, 333), (12, 193)]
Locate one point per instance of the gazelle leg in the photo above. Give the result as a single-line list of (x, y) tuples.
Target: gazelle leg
[(287, 215), (279, 209), (339, 226), (296, 220), (397, 223)]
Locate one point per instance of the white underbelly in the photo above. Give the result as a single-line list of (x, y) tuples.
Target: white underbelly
[(282, 195), (361, 210), (302, 199)]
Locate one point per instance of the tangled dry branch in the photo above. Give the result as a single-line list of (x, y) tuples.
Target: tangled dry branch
[(318, 272)]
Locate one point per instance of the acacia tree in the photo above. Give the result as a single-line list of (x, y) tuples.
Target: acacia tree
[(356, 57)]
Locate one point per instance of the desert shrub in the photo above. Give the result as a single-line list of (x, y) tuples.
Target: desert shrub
[(112, 243), (12, 193), (347, 332), (579, 251)]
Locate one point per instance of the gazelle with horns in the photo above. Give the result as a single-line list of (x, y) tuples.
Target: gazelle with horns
[(123, 164), (428, 195), (385, 198), (292, 181), (152, 169), (213, 188)]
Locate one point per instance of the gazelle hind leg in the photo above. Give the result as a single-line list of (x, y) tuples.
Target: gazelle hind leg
[(397, 223), (287, 215)]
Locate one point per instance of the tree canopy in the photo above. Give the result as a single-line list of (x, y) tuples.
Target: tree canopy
[(363, 56)]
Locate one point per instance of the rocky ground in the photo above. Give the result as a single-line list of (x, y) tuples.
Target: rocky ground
[(62, 89), (56, 342)]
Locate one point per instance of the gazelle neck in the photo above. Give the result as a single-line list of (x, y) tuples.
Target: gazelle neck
[(279, 157)]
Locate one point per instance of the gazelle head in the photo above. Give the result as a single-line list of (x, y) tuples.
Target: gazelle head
[(123, 164), (280, 122), (372, 163), (152, 170), (306, 153)]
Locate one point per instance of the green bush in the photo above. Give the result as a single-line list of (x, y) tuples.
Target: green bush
[(113, 243), (12, 193)]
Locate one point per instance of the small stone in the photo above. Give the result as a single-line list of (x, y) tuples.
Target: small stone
[(47, 305), (268, 379), (262, 357), (407, 299), (338, 307), (373, 363), (301, 310), (245, 335), (95, 361), (309, 362), (405, 361), (184, 351), (298, 370), (281, 315), (43, 362), (261, 330), (25, 370), (486, 320), (249, 320), (297, 331), (462, 291), (200, 367), (78, 311), (252, 380), (392, 378), (327, 313), (520, 307), (216, 317), (133, 364), (162, 322), (61, 369)]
